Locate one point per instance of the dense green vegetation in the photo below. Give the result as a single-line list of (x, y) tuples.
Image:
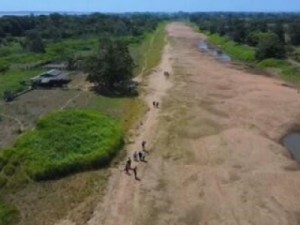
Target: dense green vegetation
[(29, 42), (8, 215), (256, 38), (64, 142), (111, 66)]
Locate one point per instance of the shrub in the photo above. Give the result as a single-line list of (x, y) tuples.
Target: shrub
[(9, 170), (9, 215), (3, 181)]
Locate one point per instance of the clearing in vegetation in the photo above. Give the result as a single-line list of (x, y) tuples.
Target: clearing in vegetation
[(64, 142)]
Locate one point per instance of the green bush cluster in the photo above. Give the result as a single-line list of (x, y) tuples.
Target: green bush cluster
[(8, 214), (287, 71), (235, 50), (65, 142)]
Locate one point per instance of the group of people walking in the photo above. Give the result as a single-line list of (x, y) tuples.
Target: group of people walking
[(137, 156), (155, 104)]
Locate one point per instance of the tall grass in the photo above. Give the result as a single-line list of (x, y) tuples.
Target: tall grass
[(235, 50), (66, 142)]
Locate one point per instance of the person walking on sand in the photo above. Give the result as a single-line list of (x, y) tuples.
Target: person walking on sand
[(135, 156), (144, 145), (154, 104), (128, 166), (134, 169), (157, 105), (140, 156)]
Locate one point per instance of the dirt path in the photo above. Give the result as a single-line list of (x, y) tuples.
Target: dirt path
[(215, 156), (122, 197)]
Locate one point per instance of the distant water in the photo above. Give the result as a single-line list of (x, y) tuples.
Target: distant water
[(221, 56), (37, 13), (292, 143)]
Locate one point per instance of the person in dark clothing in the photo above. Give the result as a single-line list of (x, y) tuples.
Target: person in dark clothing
[(154, 104), (144, 145), (128, 166), (140, 156), (135, 156), (134, 169)]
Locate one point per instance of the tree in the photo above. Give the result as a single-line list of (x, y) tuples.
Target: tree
[(111, 66), (278, 29), (269, 46), (252, 38), (237, 31), (34, 42), (294, 33)]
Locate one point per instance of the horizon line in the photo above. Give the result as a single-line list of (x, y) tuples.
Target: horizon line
[(167, 12)]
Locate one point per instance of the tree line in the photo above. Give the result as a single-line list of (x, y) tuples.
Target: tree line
[(37, 30), (272, 34)]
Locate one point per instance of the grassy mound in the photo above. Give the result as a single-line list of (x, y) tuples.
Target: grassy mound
[(65, 142)]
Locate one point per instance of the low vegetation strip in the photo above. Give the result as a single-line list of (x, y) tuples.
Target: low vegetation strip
[(285, 69), (235, 50), (65, 142), (147, 55)]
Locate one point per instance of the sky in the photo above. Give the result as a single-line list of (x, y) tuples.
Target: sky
[(150, 5)]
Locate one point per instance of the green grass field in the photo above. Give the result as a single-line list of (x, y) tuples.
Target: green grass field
[(147, 55), (62, 143), (11, 79), (236, 51)]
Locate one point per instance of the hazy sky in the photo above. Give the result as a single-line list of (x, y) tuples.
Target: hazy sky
[(149, 5)]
